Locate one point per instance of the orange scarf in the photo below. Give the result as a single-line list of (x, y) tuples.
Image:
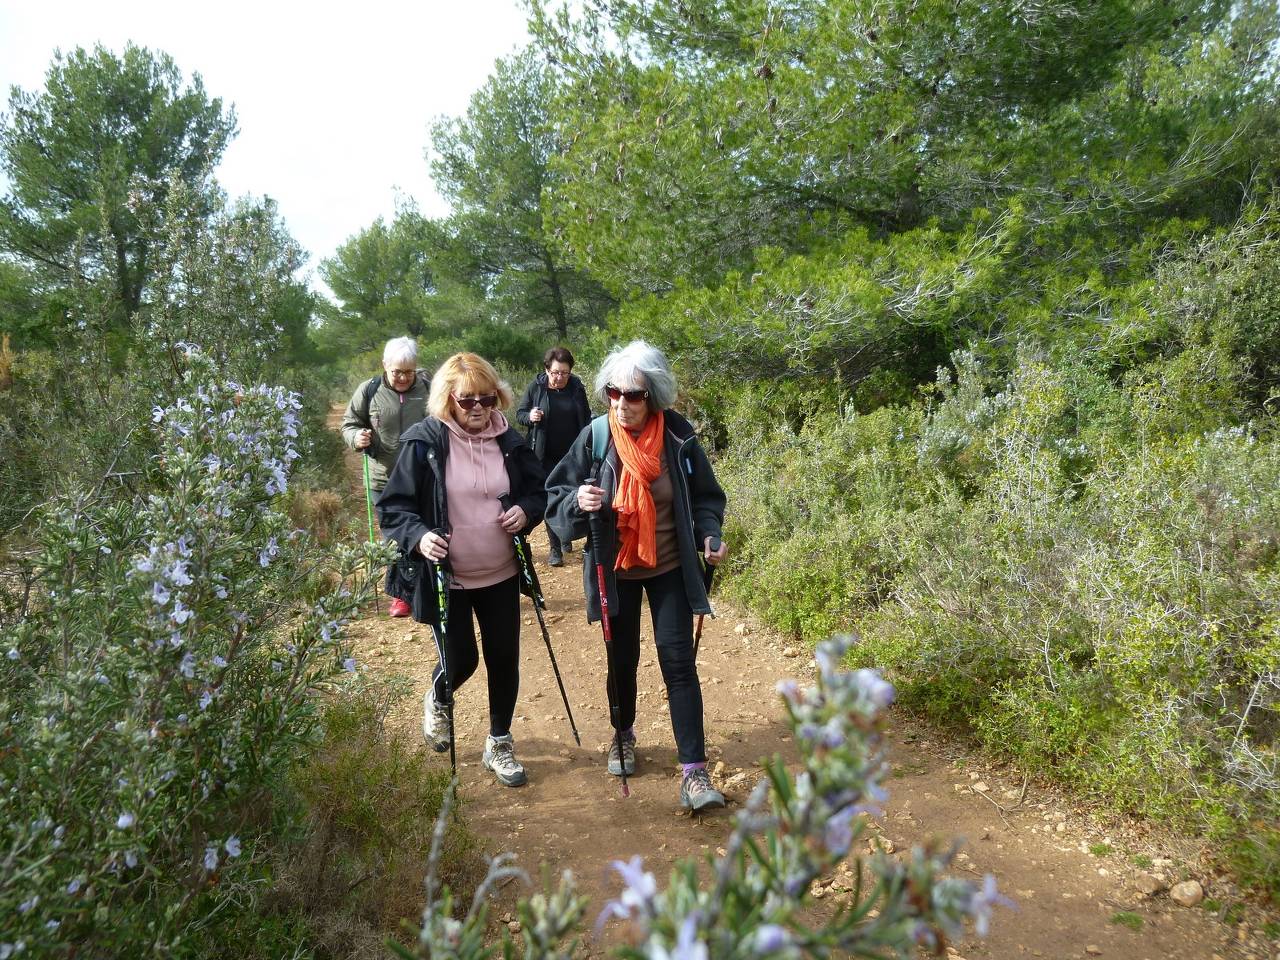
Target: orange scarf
[(637, 516)]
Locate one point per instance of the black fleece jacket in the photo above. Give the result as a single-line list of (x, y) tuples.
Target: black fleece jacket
[(699, 508), (413, 502), (536, 396)]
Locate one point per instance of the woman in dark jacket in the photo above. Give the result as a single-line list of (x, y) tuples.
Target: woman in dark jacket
[(441, 502), (651, 478), (555, 410)]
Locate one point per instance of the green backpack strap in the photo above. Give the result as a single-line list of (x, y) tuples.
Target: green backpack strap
[(599, 437)]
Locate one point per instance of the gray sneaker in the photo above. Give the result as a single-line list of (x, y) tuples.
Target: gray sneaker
[(500, 757), (435, 722), (696, 792), (628, 755)]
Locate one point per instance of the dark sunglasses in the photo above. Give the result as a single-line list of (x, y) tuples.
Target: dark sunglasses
[(469, 403), (631, 396)]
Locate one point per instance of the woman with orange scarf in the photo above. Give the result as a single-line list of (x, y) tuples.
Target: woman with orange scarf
[(652, 475)]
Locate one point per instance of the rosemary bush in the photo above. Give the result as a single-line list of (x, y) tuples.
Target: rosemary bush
[(160, 682)]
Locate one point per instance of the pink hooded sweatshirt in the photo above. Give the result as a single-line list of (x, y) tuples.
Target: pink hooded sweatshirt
[(480, 551)]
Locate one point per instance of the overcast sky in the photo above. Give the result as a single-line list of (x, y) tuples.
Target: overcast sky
[(334, 101)]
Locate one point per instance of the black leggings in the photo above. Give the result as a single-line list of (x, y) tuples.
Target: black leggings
[(497, 607), (673, 636)]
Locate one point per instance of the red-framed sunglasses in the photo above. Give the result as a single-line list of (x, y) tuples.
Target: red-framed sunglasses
[(469, 403), (631, 396)]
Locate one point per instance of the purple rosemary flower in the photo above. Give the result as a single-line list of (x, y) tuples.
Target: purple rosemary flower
[(837, 835), (770, 938), (688, 946), (640, 890)]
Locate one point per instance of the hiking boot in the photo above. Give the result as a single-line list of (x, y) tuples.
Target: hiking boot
[(556, 559), (696, 792), (397, 608), (500, 757), (616, 764), (435, 722)]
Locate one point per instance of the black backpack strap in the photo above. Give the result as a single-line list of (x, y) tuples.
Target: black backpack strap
[(370, 389)]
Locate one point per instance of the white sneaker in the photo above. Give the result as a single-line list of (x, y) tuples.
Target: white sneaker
[(435, 722), (500, 757)]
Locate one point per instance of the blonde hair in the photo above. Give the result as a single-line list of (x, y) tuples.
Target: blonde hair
[(461, 374)]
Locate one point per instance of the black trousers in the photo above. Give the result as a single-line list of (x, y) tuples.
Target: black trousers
[(673, 636), (497, 608)]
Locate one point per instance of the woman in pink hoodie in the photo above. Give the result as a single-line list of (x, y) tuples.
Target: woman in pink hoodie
[(441, 502)]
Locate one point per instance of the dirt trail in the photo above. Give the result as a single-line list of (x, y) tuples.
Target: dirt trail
[(1045, 853)]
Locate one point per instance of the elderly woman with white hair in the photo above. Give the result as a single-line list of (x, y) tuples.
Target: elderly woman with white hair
[(385, 407), (380, 411), (649, 475)]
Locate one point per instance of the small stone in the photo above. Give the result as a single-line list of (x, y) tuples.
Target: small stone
[(1188, 893), (790, 652), (1147, 885), (1061, 828), (742, 630), (718, 769), (1092, 950), (514, 926), (980, 787)]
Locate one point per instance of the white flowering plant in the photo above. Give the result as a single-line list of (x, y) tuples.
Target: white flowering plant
[(755, 901), (161, 680)]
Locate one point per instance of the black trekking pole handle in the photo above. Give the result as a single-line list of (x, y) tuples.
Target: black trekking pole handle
[(538, 603), (595, 524)]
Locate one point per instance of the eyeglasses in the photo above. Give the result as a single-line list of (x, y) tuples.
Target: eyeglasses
[(400, 374), (469, 403), (631, 396)]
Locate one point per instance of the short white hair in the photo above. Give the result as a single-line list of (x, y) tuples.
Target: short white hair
[(403, 349), (638, 362)]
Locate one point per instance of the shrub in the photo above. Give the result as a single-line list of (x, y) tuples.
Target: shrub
[(1079, 571), (369, 800), (158, 688)]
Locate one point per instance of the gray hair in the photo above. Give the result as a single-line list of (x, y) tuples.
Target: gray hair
[(638, 362), (401, 348)]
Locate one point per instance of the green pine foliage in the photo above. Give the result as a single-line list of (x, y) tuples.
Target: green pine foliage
[(978, 304)]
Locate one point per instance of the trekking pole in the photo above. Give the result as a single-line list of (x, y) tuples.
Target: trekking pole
[(595, 523), (368, 503), (708, 574), (526, 571), (440, 631)]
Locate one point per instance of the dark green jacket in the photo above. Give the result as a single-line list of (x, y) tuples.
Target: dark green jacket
[(389, 415)]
